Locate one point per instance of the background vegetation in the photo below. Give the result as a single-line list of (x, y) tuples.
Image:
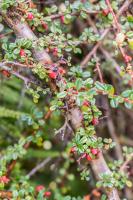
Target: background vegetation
[(66, 98)]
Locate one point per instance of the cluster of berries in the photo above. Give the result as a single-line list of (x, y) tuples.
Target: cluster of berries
[(4, 179), (30, 17), (54, 71), (93, 152), (38, 188), (53, 50), (95, 120), (6, 73)]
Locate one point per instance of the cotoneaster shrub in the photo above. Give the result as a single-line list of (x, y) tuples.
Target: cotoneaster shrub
[(66, 99)]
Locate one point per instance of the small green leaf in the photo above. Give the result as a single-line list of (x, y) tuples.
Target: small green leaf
[(61, 95), (83, 15), (100, 86), (109, 89), (78, 83), (52, 108), (114, 103), (86, 74), (110, 16), (103, 197), (16, 51), (127, 93), (128, 105)]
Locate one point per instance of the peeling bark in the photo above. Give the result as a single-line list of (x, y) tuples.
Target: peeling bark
[(99, 165), (75, 117), (24, 31)]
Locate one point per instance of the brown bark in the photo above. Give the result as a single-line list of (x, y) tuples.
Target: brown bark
[(99, 166)]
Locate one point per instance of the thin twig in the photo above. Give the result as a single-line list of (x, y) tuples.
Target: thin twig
[(114, 16), (124, 7), (18, 75), (113, 134), (56, 16), (122, 50), (16, 64), (38, 167), (99, 71), (93, 51), (25, 79), (108, 57), (5, 34), (62, 130), (129, 158)]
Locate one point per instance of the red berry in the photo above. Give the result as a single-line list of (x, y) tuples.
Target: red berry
[(105, 12), (55, 51), (95, 121), (6, 73), (45, 25), (88, 157), (39, 188), (86, 103), (128, 58), (94, 151), (30, 16), (4, 179), (62, 19), (61, 70), (53, 75), (22, 53), (73, 150), (47, 194), (126, 100)]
